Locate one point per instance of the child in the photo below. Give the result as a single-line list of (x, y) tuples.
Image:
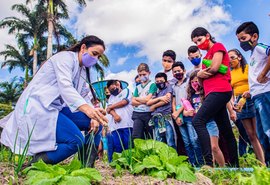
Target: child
[(194, 55), (218, 93), (119, 106), (258, 79), (168, 59), (162, 107), (186, 129), (195, 95), (142, 94)]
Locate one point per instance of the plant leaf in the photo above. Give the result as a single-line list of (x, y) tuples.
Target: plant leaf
[(138, 168), (78, 180), (183, 173), (74, 165), (152, 161), (162, 175), (90, 173)]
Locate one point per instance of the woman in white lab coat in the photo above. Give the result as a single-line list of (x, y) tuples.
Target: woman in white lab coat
[(54, 132)]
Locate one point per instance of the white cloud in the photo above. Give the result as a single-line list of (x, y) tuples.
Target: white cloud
[(153, 25), (127, 76), (121, 60)]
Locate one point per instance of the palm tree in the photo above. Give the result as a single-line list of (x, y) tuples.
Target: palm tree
[(105, 63), (53, 15), (18, 58), (10, 91), (32, 27)]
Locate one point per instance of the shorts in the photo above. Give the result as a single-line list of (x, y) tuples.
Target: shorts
[(212, 128), (248, 110)]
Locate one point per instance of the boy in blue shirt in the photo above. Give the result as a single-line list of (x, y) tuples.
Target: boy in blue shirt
[(258, 79)]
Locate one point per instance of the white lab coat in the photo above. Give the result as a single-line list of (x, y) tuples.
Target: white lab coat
[(59, 82)]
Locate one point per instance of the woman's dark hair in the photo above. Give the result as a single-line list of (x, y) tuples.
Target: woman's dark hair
[(243, 61), (89, 41), (200, 31), (191, 91)]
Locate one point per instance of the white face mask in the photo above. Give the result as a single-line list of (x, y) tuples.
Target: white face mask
[(144, 78)]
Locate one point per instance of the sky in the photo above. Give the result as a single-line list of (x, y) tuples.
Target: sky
[(137, 31)]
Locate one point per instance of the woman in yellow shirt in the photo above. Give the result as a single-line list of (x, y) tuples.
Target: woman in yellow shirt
[(246, 114)]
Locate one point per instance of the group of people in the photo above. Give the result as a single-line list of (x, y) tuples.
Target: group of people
[(192, 105)]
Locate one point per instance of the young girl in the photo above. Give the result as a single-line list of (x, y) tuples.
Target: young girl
[(241, 89), (195, 96), (218, 92)]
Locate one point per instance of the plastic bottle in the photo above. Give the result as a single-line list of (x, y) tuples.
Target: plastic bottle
[(186, 104), (222, 69), (241, 104), (105, 143)]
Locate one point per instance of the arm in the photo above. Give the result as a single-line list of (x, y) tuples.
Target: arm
[(153, 101), (232, 113), (262, 76), (135, 102), (120, 104), (216, 62)]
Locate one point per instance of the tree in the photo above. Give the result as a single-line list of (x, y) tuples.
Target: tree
[(18, 58), (32, 27), (10, 91)]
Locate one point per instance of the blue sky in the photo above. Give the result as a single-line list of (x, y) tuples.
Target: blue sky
[(137, 33)]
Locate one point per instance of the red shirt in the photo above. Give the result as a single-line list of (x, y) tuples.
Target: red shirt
[(218, 82)]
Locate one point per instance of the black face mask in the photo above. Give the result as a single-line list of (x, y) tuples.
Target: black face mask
[(161, 85), (107, 96), (246, 45), (179, 76), (115, 92)]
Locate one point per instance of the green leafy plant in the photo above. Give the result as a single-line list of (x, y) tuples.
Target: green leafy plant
[(260, 175), (41, 173), (156, 159)]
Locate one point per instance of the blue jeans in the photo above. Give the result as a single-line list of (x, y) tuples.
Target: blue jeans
[(68, 134), (167, 136), (191, 142), (262, 106), (118, 141)]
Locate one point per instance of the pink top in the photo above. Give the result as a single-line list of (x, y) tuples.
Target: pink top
[(218, 82)]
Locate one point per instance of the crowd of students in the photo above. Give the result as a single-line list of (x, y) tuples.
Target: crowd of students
[(199, 105)]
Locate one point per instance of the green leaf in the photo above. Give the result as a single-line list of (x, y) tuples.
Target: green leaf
[(152, 161), (138, 168), (170, 168), (78, 180), (162, 175), (177, 160), (74, 165), (183, 173), (39, 177), (90, 173)]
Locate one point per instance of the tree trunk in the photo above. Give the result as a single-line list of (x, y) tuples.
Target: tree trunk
[(26, 76), (50, 28), (35, 62)]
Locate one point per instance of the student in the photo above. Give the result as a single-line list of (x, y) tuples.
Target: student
[(137, 80), (195, 95), (56, 130), (194, 55), (187, 131), (240, 87), (218, 93), (161, 105), (142, 94), (258, 79), (119, 106), (168, 59)]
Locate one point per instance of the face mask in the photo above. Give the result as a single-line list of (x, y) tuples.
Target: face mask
[(107, 96), (115, 92), (88, 60), (195, 85), (179, 76), (161, 85), (196, 61), (234, 63), (246, 45), (204, 45), (144, 78)]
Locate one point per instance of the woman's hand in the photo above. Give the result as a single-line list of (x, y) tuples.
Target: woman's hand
[(204, 73), (97, 114), (246, 94), (94, 126)]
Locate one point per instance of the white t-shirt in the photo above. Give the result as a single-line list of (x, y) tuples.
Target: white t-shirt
[(258, 60), (124, 112)]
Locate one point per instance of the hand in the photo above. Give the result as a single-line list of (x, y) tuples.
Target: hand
[(97, 114), (179, 121), (152, 108), (188, 113), (94, 126), (204, 73), (117, 118), (262, 78), (175, 115), (233, 116), (108, 110), (246, 94), (165, 98)]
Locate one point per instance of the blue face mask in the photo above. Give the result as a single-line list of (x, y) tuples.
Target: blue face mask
[(88, 60), (246, 45), (196, 61)]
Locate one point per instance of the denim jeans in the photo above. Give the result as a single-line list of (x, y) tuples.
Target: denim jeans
[(118, 141), (192, 144), (168, 135), (68, 134), (262, 106)]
